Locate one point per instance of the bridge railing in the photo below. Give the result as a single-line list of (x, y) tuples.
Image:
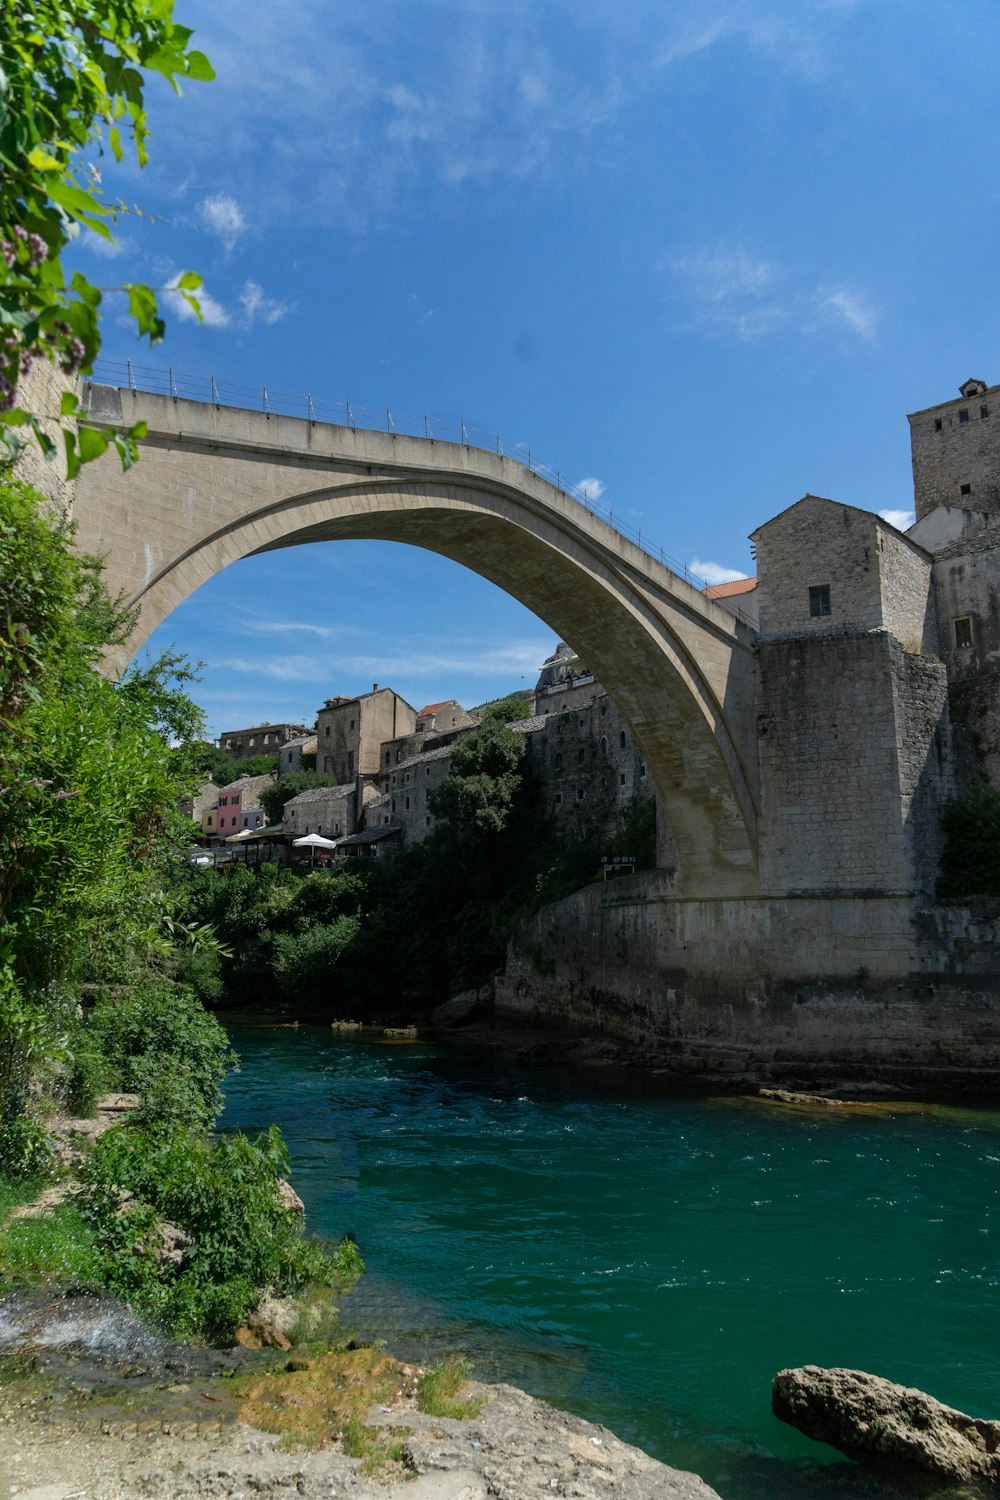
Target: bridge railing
[(167, 381)]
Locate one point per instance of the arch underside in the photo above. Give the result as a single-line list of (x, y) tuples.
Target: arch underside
[(582, 595)]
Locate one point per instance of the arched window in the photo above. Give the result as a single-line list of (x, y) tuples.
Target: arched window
[(407, 804), (604, 744), (621, 740)]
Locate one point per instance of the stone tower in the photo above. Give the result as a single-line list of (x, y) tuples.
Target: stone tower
[(956, 453)]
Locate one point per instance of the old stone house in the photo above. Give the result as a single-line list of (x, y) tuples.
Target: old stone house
[(232, 805), (350, 732), (262, 739), (290, 754)]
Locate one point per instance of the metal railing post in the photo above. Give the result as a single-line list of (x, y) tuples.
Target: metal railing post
[(215, 393), (173, 388), (310, 409), (131, 376)]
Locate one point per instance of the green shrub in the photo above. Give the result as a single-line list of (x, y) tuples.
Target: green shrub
[(970, 861), (225, 1195), (161, 1043), (25, 1149), (304, 961)]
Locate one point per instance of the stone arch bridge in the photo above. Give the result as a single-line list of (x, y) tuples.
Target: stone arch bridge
[(217, 484)]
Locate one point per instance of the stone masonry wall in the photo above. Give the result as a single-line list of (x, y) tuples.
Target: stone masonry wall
[(814, 543), (830, 805), (905, 570), (925, 758), (40, 393), (799, 991), (948, 453)]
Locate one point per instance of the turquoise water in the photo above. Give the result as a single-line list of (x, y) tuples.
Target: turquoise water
[(647, 1261)]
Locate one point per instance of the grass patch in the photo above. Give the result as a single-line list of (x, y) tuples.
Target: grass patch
[(13, 1194), (326, 1404), (438, 1388), (55, 1246)]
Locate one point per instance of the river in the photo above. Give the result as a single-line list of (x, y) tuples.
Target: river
[(647, 1260)]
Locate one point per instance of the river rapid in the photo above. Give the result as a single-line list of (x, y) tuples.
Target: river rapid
[(647, 1260)]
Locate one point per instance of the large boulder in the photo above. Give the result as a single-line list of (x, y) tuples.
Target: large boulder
[(887, 1427)]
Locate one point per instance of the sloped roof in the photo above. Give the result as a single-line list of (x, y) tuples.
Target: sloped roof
[(432, 708), (320, 794), (728, 590), (421, 759)]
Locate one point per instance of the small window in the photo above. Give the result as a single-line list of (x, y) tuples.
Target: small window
[(621, 740), (558, 797), (963, 415), (427, 822), (963, 631), (621, 778), (558, 759), (579, 794), (642, 769), (819, 601), (579, 756), (965, 489), (604, 744), (937, 424), (327, 731), (352, 723), (984, 411), (407, 804)]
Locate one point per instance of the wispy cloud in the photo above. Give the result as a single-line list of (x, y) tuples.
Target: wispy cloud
[(713, 572), (287, 627), (729, 293), (901, 519), (851, 308), (437, 663), (256, 306), (222, 216), (591, 488)]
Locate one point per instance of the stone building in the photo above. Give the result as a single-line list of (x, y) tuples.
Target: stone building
[(956, 475), (328, 810), (350, 732), (739, 597), (437, 724), (290, 754), (262, 739), (226, 815), (854, 732)]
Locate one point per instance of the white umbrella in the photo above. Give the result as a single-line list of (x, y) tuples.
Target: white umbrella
[(314, 841)]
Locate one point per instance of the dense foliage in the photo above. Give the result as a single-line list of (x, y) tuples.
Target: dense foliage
[(71, 85), (970, 861), (225, 1196), (92, 851), (366, 937), (88, 792)]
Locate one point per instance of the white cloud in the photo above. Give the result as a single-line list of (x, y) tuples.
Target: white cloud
[(287, 627), (851, 308), (213, 314), (434, 661), (223, 217), (732, 294), (591, 488), (713, 572), (901, 519), (256, 306)]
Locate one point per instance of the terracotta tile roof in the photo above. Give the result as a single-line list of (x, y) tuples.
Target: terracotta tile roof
[(432, 708), (727, 590)]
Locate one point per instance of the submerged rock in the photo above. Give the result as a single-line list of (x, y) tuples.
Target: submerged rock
[(886, 1426)]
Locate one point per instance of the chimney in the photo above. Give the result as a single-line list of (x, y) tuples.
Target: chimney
[(374, 687)]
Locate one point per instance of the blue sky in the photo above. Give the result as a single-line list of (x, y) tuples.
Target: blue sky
[(704, 256)]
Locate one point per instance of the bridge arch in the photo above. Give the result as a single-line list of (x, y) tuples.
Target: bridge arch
[(216, 485)]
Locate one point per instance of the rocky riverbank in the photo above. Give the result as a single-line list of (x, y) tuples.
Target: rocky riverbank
[(94, 1406)]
